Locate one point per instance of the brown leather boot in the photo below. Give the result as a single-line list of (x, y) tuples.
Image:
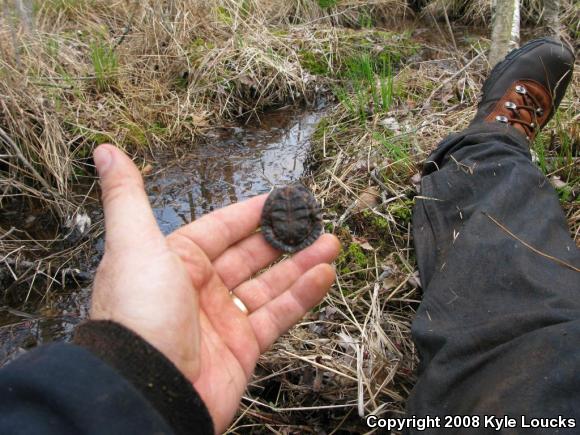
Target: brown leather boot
[(525, 89)]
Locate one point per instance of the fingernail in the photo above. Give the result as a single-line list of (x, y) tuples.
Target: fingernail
[(103, 158)]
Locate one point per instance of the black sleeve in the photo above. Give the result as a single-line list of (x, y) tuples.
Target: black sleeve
[(110, 381)]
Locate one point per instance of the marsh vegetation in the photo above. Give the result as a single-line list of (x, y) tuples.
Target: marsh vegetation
[(165, 79)]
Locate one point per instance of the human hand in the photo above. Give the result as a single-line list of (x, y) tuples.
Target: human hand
[(175, 291)]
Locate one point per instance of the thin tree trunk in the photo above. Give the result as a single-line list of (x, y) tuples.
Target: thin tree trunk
[(505, 33), (551, 17)]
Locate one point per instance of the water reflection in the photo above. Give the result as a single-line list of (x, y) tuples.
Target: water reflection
[(230, 168)]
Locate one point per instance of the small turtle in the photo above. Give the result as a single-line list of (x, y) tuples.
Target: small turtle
[(291, 218)]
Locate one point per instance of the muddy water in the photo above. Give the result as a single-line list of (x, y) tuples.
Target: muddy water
[(234, 164)]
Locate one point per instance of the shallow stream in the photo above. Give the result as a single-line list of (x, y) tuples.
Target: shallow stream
[(234, 164)]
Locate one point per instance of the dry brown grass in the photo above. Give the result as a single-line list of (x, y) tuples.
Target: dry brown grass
[(145, 75), (168, 71)]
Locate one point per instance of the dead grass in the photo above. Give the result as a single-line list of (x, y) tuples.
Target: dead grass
[(150, 75), (147, 76)]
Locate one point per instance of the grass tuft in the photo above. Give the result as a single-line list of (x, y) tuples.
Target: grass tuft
[(105, 65)]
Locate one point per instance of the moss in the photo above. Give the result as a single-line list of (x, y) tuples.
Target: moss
[(325, 4), (197, 43), (282, 33), (402, 210), (198, 47), (99, 138), (357, 254), (321, 129), (353, 257), (379, 223), (314, 63), (158, 129), (135, 134)]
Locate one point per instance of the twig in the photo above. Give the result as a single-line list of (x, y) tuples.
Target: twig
[(449, 27), (527, 245), (7, 233), (297, 408), (18, 313), (25, 17)]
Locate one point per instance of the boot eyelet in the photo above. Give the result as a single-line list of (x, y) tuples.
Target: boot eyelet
[(500, 118), (521, 90), (533, 125), (539, 111), (510, 105)]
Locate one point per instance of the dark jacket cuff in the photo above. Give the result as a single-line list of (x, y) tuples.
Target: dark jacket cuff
[(162, 384)]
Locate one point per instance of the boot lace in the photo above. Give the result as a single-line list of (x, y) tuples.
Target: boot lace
[(530, 105)]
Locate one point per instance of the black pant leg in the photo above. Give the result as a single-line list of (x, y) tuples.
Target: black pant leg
[(498, 330)]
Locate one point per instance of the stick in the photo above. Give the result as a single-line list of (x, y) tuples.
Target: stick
[(527, 245)]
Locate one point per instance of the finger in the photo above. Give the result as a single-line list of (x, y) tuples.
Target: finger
[(239, 262), (278, 315), (217, 231), (273, 282), (129, 220)]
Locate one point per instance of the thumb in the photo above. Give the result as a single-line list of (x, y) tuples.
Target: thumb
[(128, 217)]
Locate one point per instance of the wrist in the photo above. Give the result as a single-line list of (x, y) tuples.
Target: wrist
[(150, 371)]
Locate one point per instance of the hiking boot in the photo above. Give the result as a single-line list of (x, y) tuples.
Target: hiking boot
[(525, 89)]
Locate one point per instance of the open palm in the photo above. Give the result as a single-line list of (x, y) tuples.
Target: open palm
[(175, 291)]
